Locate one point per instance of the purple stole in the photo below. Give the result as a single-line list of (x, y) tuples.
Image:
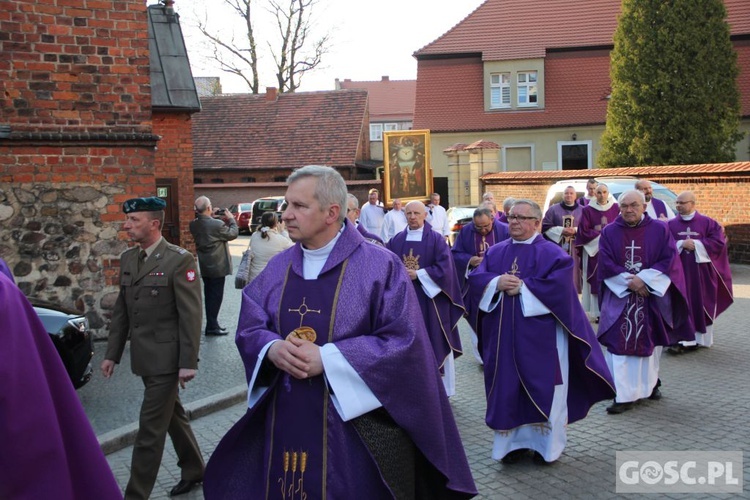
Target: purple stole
[(304, 442)]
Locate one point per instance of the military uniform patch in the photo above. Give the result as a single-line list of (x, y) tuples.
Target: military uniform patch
[(190, 275)]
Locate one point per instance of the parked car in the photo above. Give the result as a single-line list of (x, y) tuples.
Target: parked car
[(262, 205), (458, 217), (616, 185), (69, 331), (242, 213)]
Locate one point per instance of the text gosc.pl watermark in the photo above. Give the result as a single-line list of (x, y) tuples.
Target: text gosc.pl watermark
[(678, 472)]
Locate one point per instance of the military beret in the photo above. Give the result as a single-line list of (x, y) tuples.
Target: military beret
[(150, 204)]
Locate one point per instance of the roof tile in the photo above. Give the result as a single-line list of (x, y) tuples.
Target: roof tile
[(296, 129)]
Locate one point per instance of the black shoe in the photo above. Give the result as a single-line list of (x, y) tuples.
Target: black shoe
[(655, 394), (539, 459), (676, 349), (223, 329), (184, 486), (618, 408), (216, 332), (514, 456)]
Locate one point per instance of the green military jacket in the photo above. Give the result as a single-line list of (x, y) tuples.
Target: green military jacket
[(159, 309)]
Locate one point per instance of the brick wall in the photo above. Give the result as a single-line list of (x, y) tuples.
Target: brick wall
[(721, 190), (75, 91), (174, 160)]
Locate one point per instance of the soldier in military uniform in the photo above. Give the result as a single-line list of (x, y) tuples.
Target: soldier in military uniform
[(159, 308)]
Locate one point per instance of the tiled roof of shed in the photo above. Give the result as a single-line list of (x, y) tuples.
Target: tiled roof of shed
[(296, 129)]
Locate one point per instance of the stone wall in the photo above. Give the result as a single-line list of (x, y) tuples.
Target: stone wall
[(58, 245)]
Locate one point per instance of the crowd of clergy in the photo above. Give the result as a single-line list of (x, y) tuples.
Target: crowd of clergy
[(566, 308)]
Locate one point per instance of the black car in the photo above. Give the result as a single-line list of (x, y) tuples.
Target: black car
[(69, 331), (262, 205)]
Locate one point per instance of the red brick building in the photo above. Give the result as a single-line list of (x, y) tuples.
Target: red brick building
[(78, 137)]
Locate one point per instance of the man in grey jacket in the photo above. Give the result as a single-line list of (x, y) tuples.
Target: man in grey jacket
[(211, 236)]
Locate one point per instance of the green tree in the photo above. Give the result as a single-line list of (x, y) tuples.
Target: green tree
[(674, 96)]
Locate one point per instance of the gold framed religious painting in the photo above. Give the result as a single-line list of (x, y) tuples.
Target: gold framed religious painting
[(407, 173)]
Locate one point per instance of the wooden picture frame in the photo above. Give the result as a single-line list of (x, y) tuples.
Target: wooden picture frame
[(407, 172)]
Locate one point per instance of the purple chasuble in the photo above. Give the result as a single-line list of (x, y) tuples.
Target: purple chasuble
[(469, 243), (376, 325), (49, 448), (442, 312), (709, 284), (590, 226), (659, 207), (633, 325), (4, 269), (521, 366), (501, 217), (556, 216), (303, 436)]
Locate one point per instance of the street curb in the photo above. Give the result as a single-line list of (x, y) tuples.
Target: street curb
[(123, 437)]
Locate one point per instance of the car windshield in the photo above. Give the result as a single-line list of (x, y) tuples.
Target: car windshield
[(245, 207), (458, 213)]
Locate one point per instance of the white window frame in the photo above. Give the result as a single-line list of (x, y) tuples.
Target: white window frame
[(528, 85), (503, 89), (376, 131), (589, 152), (528, 145), (387, 127)]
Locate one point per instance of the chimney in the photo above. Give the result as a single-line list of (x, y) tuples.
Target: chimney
[(272, 93), (384, 78)]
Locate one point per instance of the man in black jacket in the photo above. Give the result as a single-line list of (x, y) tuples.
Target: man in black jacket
[(211, 235)]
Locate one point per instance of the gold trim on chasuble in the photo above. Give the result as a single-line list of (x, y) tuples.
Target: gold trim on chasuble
[(298, 459), (411, 261)]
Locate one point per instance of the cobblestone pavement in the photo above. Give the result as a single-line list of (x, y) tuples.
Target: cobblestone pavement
[(706, 406)]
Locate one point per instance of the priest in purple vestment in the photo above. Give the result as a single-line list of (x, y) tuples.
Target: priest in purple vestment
[(590, 195), (642, 299), (655, 208), (703, 252), (344, 393), (48, 447), (543, 368), (560, 225), (428, 262), (468, 251), (594, 217)]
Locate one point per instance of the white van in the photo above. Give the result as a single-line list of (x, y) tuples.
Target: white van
[(616, 185)]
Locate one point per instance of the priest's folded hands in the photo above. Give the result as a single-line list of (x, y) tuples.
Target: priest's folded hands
[(509, 284)]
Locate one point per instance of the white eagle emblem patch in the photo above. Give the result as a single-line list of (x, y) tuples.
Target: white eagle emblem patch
[(190, 275)]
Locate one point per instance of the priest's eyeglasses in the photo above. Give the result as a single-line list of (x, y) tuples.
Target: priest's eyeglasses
[(514, 217)]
